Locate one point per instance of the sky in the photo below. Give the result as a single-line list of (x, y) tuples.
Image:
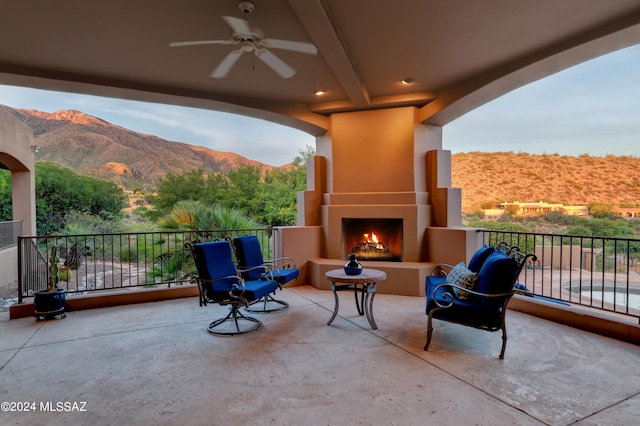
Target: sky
[(592, 108)]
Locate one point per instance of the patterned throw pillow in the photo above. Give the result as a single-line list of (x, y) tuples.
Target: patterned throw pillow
[(462, 276)]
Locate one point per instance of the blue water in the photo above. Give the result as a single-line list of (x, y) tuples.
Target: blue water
[(620, 298)]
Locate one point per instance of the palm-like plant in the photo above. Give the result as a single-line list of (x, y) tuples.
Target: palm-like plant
[(196, 216)]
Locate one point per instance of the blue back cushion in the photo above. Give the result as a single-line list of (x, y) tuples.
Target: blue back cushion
[(249, 255), (497, 274), (214, 261), (479, 257)]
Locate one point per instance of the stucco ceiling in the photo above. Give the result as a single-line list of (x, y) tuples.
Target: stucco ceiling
[(459, 53)]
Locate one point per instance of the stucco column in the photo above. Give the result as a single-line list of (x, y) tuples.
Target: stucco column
[(24, 200), (17, 155)]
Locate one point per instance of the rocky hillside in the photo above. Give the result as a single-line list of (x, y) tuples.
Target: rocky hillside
[(97, 148), (94, 147), (487, 178)]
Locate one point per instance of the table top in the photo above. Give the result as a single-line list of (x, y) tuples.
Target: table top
[(368, 275)]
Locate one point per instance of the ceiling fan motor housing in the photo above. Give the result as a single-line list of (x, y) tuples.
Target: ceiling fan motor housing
[(246, 6)]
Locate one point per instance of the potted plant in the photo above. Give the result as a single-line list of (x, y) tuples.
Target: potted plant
[(50, 302)]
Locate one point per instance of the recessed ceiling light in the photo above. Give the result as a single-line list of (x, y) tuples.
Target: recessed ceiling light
[(320, 92), (407, 81)]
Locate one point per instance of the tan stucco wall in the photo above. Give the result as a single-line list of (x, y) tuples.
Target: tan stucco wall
[(16, 154), (300, 243), (378, 151), (8, 267), (380, 163)]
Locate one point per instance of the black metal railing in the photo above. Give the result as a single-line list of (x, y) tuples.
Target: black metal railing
[(598, 272), (9, 232), (106, 262)]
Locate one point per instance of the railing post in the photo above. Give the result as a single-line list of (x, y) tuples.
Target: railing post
[(20, 269)]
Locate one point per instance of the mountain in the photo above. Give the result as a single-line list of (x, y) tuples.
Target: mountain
[(505, 176), (94, 147), (91, 146)]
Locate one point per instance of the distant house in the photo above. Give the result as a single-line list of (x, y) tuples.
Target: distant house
[(627, 213), (535, 209)]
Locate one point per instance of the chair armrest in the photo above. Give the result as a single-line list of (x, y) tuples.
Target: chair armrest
[(441, 270), (282, 259), (268, 272), (239, 285), (449, 297)]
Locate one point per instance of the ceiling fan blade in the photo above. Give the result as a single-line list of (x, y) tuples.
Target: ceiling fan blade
[(197, 43), (276, 64), (227, 63), (296, 46), (237, 25)]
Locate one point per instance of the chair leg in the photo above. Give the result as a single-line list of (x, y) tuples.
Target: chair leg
[(504, 341), (267, 303), (429, 329), (235, 315)]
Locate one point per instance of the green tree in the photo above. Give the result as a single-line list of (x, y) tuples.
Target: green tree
[(6, 209), (580, 230), (504, 232), (603, 227), (558, 217), (303, 155), (512, 209), (60, 191), (190, 185), (279, 195), (599, 209), (269, 197), (243, 191)]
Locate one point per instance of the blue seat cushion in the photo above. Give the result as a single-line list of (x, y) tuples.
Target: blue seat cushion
[(479, 257), (254, 290), (214, 262), (472, 311), (249, 255), (498, 273), (283, 276)]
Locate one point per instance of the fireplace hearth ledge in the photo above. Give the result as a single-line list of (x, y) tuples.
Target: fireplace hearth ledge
[(403, 278)]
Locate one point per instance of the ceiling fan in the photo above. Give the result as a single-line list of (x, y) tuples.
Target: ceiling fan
[(251, 39)]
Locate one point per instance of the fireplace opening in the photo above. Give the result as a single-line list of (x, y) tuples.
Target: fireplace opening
[(372, 239)]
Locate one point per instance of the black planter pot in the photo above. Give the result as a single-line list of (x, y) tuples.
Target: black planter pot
[(49, 304)]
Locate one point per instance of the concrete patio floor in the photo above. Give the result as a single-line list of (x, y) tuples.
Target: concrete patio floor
[(155, 364)]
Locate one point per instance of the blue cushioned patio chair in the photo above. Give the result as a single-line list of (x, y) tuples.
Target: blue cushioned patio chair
[(250, 258), (219, 282), (475, 295)]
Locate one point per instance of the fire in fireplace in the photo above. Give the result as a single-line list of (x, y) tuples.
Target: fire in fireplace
[(372, 239)]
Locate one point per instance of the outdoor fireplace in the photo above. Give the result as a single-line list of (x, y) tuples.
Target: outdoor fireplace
[(388, 170), (372, 239)]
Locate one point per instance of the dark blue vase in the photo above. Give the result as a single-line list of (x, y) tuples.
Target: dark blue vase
[(353, 267)]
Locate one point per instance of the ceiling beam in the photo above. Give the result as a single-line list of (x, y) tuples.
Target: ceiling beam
[(392, 101), (315, 20)]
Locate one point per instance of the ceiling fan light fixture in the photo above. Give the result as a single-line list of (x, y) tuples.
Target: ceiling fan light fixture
[(246, 7)]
